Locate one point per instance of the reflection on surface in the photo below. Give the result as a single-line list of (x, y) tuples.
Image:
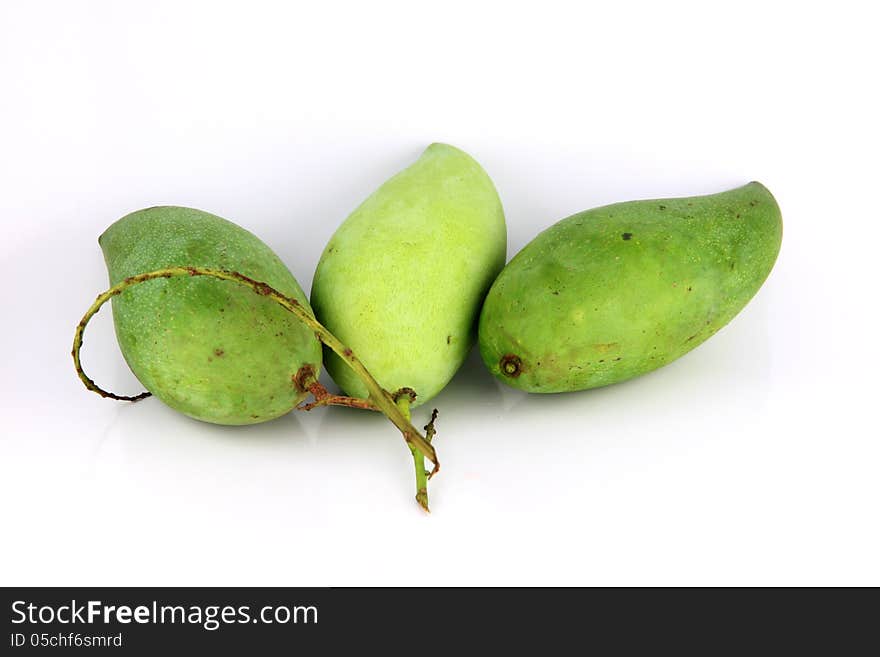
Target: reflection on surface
[(151, 476)]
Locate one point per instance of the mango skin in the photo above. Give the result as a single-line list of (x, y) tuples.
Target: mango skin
[(402, 279), (211, 349), (615, 292)]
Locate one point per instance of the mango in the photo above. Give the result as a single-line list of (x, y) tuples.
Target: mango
[(211, 349), (614, 292), (402, 279)]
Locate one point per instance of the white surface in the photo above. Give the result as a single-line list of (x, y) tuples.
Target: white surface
[(752, 460)]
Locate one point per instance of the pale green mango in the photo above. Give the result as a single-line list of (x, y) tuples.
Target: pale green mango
[(612, 293), (402, 279), (211, 349)]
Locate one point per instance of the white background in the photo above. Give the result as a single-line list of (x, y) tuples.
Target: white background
[(752, 460)]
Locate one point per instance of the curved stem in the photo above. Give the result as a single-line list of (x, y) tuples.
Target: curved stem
[(403, 398), (381, 398), (403, 403)]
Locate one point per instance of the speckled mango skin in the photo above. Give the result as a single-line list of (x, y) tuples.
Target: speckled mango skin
[(402, 279), (211, 349), (615, 292)]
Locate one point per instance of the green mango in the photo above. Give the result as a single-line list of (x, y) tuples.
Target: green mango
[(211, 349), (614, 292), (402, 279)]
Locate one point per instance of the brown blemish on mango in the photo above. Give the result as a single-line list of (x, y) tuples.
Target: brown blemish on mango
[(511, 365)]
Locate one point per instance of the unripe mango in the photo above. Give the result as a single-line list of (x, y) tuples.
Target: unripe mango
[(402, 279), (208, 348), (612, 293)]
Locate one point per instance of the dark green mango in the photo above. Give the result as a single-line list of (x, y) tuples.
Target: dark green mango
[(614, 292), (209, 348)]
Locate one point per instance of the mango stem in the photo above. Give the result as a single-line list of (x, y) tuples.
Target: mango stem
[(379, 397), (403, 397), (324, 397), (430, 432), (403, 403), (307, 381)]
